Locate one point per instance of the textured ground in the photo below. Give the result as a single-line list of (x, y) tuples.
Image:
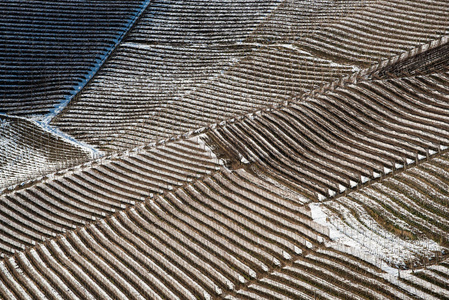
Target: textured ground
[(227, 149)]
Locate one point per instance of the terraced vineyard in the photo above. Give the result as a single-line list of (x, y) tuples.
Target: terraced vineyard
[(28, 151), (253, 69), (50, 49), (232, 150)]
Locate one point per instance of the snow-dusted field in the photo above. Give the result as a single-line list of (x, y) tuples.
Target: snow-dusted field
[(238, 149)]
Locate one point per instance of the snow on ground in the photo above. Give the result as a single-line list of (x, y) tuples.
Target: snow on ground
[(321, 218), (55, 131), (22, 161), (98, 63), (330, 62), (370, 241)]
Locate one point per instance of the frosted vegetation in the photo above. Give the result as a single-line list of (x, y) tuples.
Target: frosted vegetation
[(226, 149)]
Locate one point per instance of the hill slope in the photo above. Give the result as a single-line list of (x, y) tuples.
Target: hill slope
[(262, 157)]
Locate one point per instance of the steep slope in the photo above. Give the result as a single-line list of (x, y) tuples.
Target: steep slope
[(70, 198), (51, 49), (252, 228), (356, 32), (280, 50), (27, 151), (347, 135), (171, 52)]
